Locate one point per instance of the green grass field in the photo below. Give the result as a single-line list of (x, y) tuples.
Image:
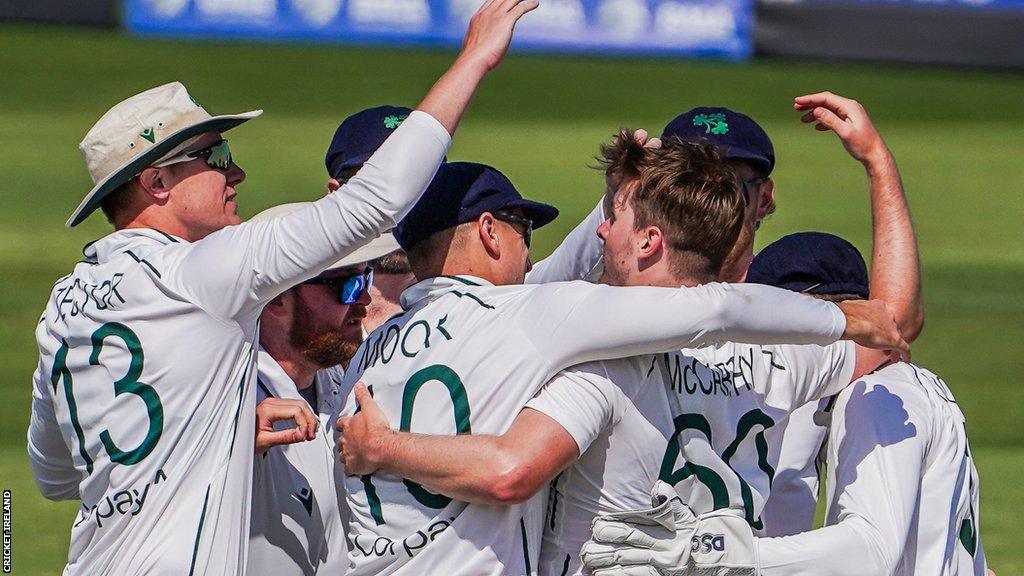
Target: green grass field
[(958, 137)]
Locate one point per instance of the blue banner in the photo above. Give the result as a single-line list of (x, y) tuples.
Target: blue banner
[(721, 28)]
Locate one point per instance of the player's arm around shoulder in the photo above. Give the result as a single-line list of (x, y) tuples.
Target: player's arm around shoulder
[(476, 468)]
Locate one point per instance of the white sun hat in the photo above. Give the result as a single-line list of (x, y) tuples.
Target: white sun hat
[(379, 246), (140, 131)]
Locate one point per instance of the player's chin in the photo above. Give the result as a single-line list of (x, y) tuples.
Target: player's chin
[(352, 333)]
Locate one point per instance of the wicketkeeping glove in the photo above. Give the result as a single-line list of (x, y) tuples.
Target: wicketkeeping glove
[(668, 540)]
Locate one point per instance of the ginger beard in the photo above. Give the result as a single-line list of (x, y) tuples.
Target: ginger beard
[(324, 345)]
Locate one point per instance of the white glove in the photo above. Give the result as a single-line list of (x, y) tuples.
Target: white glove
[(668, 540)]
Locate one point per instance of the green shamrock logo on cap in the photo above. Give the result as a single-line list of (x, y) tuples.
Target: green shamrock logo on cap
[(712, 123), (392, 122), (148, 134)]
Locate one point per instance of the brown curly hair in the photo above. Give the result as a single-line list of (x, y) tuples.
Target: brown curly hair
[(685, 189)]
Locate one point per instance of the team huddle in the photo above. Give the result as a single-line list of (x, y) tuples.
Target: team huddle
[(380, 381)]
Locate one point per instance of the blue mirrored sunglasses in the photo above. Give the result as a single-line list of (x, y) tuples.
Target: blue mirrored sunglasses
[(350, 288)]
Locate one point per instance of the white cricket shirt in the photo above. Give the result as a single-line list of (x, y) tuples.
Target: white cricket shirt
[(902, 487), (144, 397), (466, 356), (793, 502), (701, 420), (298, 489)]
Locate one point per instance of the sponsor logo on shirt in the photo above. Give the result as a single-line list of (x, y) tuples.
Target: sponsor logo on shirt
[(382, 546), (129, 501)]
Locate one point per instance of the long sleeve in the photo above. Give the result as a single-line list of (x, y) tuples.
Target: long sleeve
[(578, 257), (240, 268), (583, 400), (875, 457), (52, 465), (575, 322), (802, 374)]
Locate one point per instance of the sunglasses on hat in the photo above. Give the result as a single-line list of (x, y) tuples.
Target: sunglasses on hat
[(350, 288), (217, 155)]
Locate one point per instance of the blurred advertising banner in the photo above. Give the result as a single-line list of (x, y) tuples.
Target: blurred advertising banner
[(721, 28)]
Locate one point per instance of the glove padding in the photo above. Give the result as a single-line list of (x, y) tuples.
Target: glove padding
[(669, 540)]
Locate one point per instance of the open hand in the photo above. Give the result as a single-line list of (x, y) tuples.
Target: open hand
[(490, 30), (848, 120), (637, 143), (872, 324), (362, 436), (274, 410)]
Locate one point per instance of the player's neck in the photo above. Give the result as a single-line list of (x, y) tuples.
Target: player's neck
[(165, 225), (666, 279), (662, 274), (734, 269), (300, 370)]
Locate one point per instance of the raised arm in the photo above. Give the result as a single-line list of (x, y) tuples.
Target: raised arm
[(573, 322), (478, 468), (243, 266), (895, 265), (485, 44)]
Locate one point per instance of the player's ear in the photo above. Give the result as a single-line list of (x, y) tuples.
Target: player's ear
[(332, 186), (487, 229), (650, 242), (766, 199), (154, 183)]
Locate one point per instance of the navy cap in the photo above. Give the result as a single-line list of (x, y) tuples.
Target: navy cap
[(811, 262), (736, 135), (460, 193), (359, 136)]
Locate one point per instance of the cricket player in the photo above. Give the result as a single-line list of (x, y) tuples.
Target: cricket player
[(144, 396), (355, 140), (791, 505), (578, 257), (307, 334), (902, 489), (722, 404), (474, 345)]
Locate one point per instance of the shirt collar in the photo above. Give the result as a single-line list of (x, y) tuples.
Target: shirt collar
[(433, 288), (100, 251), (280, 385)]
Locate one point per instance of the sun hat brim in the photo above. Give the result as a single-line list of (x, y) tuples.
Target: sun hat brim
[(133, 167)]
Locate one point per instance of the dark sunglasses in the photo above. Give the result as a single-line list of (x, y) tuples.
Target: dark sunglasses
[(217, 155), (515, 219), (752, 183), (350, 288)]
